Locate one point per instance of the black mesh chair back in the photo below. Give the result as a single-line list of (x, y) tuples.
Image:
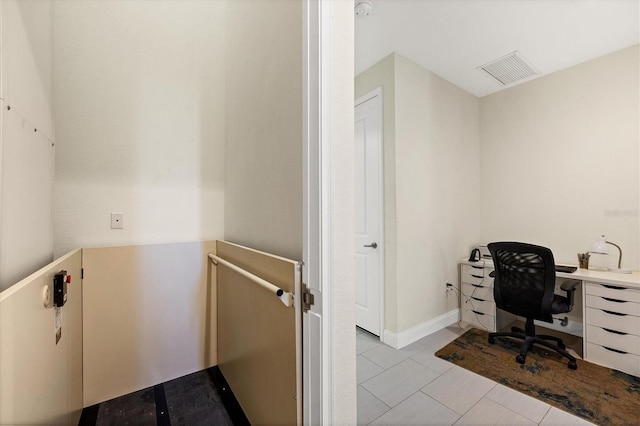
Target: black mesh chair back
[(524, 279), (524, 285)]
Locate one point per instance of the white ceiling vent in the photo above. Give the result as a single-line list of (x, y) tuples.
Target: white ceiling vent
[(510, 68)]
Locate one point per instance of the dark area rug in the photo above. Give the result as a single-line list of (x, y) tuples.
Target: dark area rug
[(203, 398), (597, 394)]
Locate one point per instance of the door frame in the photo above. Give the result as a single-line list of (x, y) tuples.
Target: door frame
[(316, 227), (328, 84), (377, 92)]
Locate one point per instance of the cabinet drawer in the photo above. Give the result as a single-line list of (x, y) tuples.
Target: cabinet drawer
[(614, 292), (477, 290), (607, 319), (479, 305), (478, 319), (629, 363), (613, 305), (477, 279), (604, 337), (475, 270)]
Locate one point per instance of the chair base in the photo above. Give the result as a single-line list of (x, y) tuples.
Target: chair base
[(529, 337)]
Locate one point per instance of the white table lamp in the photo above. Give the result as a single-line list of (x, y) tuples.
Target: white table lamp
[(601, 247)]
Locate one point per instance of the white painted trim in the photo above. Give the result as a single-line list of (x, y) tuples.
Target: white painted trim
[(378, 92), (404, 338), (375, 92), (317, 254), (326, 273)]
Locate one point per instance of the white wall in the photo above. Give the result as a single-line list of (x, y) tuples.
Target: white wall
[(263, 205), (560, 159), (26, 139), (433, 154), (139, 104)]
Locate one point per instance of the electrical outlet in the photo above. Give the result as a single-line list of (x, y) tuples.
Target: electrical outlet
[(117, 220)]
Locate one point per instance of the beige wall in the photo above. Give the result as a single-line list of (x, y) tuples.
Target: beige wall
[(560, 159), (149, 316), (26, 139), (263, 183), (139, 99), (437, 196), (41, 380), (432, 170)]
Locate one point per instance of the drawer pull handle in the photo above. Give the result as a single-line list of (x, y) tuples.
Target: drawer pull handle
[(477, 276), (615, 331), (476, 312), (615, 350), (477, 285), (614, 300), (613, 287), (479, 300), (476, 267), (614, 313)]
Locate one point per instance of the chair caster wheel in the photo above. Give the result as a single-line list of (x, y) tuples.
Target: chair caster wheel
[(520, 359), (573, 365), (492, 340)]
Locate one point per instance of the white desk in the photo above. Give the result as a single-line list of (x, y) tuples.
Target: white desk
[(631, 280), (611, 314)]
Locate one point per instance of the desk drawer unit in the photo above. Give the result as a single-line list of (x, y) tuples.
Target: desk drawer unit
[(481, 320), (475, 290), (614, 339), (612, 318), (613, 321), (477, 275), (614, 292), (622, 361), (476, 299), (613, 305)]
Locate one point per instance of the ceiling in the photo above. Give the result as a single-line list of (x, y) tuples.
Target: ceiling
[(452, 38)]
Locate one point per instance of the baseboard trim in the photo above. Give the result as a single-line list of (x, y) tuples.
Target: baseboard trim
[(404, 338)]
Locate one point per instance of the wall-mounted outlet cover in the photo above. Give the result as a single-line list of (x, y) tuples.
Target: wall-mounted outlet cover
[(117, 220)]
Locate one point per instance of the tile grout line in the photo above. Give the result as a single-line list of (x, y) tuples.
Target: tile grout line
[(508, 408), (382, 402)]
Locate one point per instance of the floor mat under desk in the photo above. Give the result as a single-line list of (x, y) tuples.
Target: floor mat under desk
[(573, 343)]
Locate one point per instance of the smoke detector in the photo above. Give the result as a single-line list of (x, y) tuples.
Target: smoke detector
[(363, 7), (510, 68)]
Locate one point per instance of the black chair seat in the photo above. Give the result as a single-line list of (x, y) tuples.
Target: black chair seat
[(560, 304)]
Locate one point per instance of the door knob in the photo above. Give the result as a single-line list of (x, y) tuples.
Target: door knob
[(372, 245)]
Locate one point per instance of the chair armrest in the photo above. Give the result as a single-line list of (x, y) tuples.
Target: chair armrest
[(569, 285)]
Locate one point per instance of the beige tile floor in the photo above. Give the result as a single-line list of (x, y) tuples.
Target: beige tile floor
[(411, 386)]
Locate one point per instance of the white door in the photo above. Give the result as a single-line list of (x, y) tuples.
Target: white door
[(368, 207)]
